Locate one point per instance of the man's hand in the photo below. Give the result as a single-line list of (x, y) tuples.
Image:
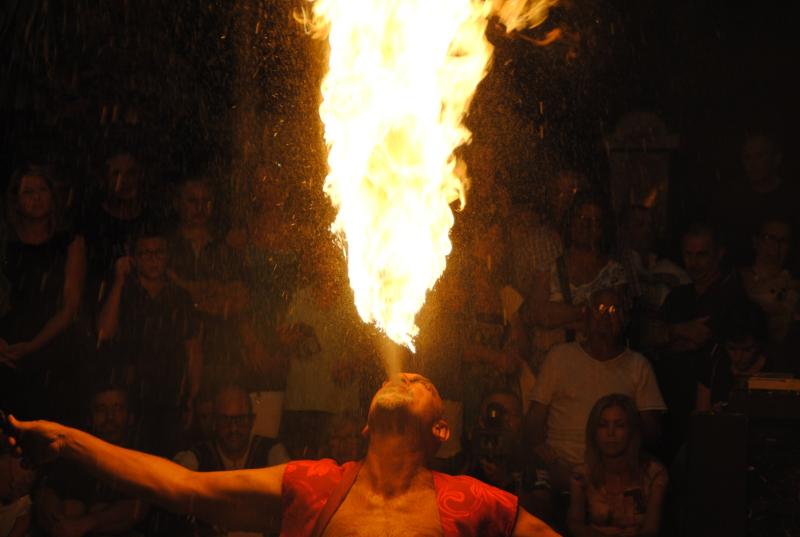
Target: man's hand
[(19, 350), (6, 359), (123, 267), (38, 442)]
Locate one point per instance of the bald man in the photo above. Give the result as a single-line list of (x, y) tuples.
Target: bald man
[(390, 492)]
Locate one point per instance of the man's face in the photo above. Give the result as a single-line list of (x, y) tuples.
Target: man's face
[(701, 256), (562, 192), (743, 354), (35, 199), (760, 159), (150, 255), (110, 416), (123, 176), (409, 398), (587, 226), (772, 245), (605, 314), (233, 421), (195, 203)]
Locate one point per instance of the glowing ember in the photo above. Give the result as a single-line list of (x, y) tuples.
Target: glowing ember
[(401, 76)]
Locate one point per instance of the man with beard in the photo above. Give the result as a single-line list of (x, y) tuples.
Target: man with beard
[(390, 492)]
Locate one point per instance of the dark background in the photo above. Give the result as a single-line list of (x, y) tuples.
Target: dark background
[(195, 83)]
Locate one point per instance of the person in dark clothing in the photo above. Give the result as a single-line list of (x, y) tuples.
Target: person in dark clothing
[(149, 330), (45, 268), (740, 352), (692, 317)]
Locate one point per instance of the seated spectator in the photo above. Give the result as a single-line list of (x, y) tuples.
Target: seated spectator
[(203, 264), (70, 501), (691, 317), (232, 447), (575, 375), (108, 223), (45, 268), (496, 455), (148, 327), (764, 192), (345, 440), (558, 295), (767, 281), (15, 501), (740, 353), (620, 489)]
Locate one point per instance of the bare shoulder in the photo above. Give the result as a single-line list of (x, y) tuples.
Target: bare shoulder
[(529, 526)]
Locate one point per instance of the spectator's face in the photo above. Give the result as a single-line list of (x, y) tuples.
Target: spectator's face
[(124, 177), (512, 411), (701, 256), (760, 160), (195, 203), (613, 432), (772, 245), (605, 313), (587, 227), (150, 255), (743, 354), (35, 198), (110, 416), (233, 421)]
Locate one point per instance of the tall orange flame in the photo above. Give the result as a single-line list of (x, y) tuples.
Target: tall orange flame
[(400, 80)]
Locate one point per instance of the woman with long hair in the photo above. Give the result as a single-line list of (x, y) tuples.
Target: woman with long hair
[(619, 490), (45, 267)]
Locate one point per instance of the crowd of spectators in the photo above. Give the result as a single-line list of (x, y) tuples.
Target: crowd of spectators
[(570, 348)]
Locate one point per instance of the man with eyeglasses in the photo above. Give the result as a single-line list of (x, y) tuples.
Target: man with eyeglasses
[(233, 446), (147, 330), (574, 376)]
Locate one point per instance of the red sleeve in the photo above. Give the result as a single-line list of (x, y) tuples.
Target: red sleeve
[(307, 485), (468, 507)]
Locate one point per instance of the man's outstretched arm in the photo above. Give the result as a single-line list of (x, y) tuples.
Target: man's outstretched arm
[(239, 500)]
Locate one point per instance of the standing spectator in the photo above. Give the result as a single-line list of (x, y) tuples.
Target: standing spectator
[(203, 264), (148, 326), (574, 375), (691, 317), (109, 225), (559, 294), (45, 267), (767, 281), (70, 501), (619, 490), (764, 193)]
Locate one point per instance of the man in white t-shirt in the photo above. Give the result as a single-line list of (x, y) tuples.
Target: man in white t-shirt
[(575, 375)]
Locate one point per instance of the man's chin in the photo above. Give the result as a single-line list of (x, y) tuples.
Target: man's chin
[(393, 400)]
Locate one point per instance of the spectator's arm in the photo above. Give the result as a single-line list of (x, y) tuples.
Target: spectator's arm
[(247, 500), (528, 525), (651, 525), (703, 399), (576, 515), (542, 312), (74, 277), (108, 319)]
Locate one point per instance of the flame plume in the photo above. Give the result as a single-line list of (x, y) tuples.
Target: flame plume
[(400, 80)]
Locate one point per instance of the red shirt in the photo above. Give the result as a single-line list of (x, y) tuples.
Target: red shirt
[(467, 507)]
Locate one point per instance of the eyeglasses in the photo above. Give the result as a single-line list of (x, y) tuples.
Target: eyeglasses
[(241, 420)]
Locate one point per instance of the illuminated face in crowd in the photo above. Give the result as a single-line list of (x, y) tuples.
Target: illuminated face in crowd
[(772, 244), (760, 159), (123, 176), (613, 432), (701, 256), (35, 199), (587, 226), (233, 421)]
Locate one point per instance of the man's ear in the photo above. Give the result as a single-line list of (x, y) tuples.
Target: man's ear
[(441, 431)]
